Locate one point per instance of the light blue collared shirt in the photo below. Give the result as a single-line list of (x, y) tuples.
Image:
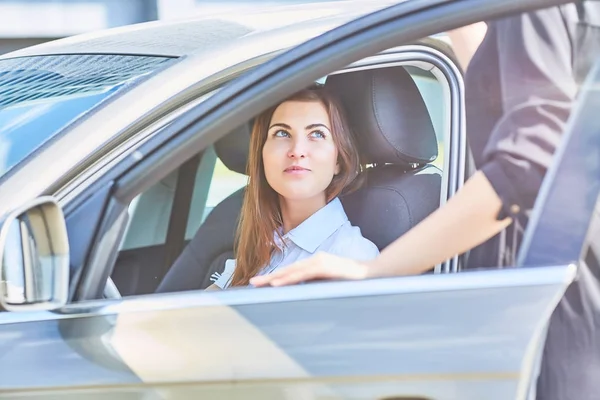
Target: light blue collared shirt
[(328, 230)]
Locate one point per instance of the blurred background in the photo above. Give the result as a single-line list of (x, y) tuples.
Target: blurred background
[(27, 22)]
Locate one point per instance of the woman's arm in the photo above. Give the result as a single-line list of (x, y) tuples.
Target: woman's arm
[(468, 219)]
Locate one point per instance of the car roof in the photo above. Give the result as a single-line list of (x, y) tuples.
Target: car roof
[(186, 37)]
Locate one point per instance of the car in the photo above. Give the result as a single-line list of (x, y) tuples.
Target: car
[(123, 153)]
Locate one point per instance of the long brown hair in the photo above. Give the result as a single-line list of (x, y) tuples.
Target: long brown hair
[(260, 214)]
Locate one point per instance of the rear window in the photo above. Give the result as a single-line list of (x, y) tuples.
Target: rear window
[(40, 96)]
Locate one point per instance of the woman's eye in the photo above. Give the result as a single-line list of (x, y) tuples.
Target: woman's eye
[(317, 134), (281, 134)]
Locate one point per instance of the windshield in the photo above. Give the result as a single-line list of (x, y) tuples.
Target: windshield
[(40, 96)]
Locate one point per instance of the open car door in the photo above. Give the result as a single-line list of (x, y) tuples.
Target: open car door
[(565, 228)]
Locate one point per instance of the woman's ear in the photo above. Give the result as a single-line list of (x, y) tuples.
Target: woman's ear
[(337, 169)]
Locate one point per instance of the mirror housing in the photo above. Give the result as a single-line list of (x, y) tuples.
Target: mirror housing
[(34, 257)]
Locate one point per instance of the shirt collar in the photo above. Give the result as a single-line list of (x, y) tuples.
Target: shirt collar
[(311, 233)]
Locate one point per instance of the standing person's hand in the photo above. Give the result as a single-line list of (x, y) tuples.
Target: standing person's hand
[(321, 266)]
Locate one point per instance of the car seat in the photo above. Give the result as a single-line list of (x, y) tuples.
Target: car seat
[(397, 141)]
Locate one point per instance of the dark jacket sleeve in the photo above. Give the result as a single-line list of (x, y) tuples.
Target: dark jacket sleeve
[(537, 89)]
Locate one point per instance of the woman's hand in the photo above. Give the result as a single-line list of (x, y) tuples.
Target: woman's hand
[(320, 266)]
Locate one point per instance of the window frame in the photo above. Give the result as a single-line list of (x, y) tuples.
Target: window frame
[(200, 193), (449, 76)]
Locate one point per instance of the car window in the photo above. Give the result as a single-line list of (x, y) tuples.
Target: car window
[(149, 215), (142, 253), (41, 95), (141, 261), (223, 182), (150, 211)]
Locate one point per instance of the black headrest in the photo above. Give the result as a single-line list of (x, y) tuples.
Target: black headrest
[(388, 115), (233, 148)]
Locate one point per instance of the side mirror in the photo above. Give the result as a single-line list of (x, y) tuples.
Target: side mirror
[(34, 254)]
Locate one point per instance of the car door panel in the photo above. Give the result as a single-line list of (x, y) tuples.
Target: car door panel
[(473, 335), (36, 353)]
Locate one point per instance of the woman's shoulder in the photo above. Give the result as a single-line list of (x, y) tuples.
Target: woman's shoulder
[(349, 242)]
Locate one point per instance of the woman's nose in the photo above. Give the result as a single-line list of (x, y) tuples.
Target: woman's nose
[(297, 149)]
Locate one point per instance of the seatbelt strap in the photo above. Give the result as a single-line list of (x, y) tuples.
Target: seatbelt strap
[(180, 211)]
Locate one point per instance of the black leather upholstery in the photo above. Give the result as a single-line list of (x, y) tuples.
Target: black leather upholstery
[(393, 201), (388, 115), (394, 131)]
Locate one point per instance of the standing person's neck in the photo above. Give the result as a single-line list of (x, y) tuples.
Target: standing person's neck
[(294, 212)]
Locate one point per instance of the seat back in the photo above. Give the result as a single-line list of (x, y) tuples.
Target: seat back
[(397, 140)]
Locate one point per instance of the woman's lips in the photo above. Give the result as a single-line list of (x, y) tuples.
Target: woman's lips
[(296, 170)]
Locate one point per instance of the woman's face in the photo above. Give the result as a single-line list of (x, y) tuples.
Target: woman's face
[(299, 155)]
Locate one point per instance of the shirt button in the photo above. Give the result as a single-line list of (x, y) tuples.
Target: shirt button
[(515, 209)]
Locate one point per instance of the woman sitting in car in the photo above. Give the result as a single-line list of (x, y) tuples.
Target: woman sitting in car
[(302, 156)]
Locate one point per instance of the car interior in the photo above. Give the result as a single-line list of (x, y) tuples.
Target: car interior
[(182, 230)]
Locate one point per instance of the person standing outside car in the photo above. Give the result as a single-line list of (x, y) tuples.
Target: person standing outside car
[(520, 87)]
